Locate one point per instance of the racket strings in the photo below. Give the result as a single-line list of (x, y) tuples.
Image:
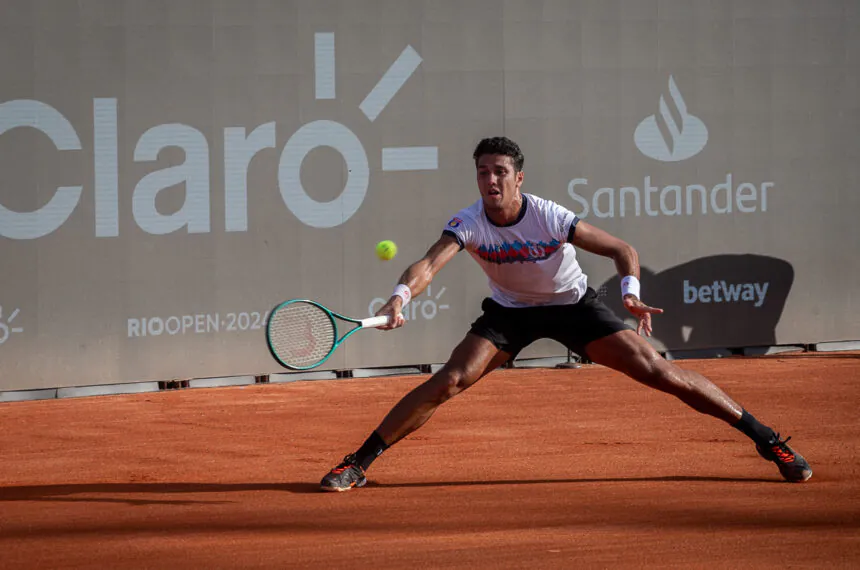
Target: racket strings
[(301, 334)]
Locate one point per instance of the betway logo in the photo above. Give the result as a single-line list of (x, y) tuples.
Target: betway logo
[(722, 292), (673, 135), (240, 147)]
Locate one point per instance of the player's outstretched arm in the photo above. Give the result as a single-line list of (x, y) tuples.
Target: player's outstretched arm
[(599, 242), (417, 277), (596, 241)]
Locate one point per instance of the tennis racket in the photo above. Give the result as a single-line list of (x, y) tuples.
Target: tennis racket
[(302, 334)]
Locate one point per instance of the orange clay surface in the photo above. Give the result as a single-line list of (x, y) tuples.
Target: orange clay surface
[(530, 468)]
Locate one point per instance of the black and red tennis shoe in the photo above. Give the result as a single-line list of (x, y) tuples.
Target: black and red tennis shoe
[(345, 476), (792, 465)]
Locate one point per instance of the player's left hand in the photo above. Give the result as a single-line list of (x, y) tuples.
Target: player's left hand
[(642, 312)]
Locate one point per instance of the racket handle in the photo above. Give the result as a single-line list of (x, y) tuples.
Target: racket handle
[(374, 322)]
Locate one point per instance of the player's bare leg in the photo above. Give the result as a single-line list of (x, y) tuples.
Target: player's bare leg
[(471, 360), (631, 354)]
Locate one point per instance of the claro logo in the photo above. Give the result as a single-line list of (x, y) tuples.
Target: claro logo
[(240, 147), (425, 307), (671, 135), (6, 326)]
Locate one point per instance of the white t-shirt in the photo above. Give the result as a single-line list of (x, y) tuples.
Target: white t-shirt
[(529, 262)]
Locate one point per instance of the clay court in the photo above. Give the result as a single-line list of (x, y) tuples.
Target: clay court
[(531, 468)]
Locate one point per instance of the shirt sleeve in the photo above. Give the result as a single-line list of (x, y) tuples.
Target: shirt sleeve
[(460, 229), (561, 222)]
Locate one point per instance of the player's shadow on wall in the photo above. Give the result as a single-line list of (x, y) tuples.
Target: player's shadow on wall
[(724, 301)]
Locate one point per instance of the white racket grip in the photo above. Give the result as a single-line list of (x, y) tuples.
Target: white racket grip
[(374, 322)]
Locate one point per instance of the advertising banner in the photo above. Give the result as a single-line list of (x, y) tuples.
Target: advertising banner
[(169, 172)]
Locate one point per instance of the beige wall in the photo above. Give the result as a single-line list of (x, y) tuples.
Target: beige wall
[(190, 141)]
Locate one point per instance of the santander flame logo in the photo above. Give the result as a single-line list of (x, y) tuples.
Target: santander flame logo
[(673, 134)]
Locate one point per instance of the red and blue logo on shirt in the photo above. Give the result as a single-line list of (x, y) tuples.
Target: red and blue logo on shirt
[(517, 251), (455, 223)]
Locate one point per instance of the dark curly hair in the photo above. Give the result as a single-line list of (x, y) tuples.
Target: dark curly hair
[(503, 146)]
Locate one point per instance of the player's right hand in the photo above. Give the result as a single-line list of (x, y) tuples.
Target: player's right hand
[(392, 309)]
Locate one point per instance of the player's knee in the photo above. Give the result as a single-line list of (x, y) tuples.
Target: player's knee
[(673, 380), (652, 369), (449, 383)]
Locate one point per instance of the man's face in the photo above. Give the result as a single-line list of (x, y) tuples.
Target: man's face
[(498, 181)]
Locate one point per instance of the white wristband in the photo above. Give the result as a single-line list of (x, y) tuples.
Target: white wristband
[(630, 285), (404, 292)]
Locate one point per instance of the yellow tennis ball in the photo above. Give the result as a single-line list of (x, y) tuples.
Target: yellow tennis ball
[(386, 249)]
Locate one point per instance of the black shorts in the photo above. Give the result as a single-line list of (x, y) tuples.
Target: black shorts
[(574, 326)]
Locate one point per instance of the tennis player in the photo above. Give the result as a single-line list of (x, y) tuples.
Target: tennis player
[(527, 247)]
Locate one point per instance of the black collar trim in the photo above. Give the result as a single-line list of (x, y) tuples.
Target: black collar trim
[(520, 216)]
